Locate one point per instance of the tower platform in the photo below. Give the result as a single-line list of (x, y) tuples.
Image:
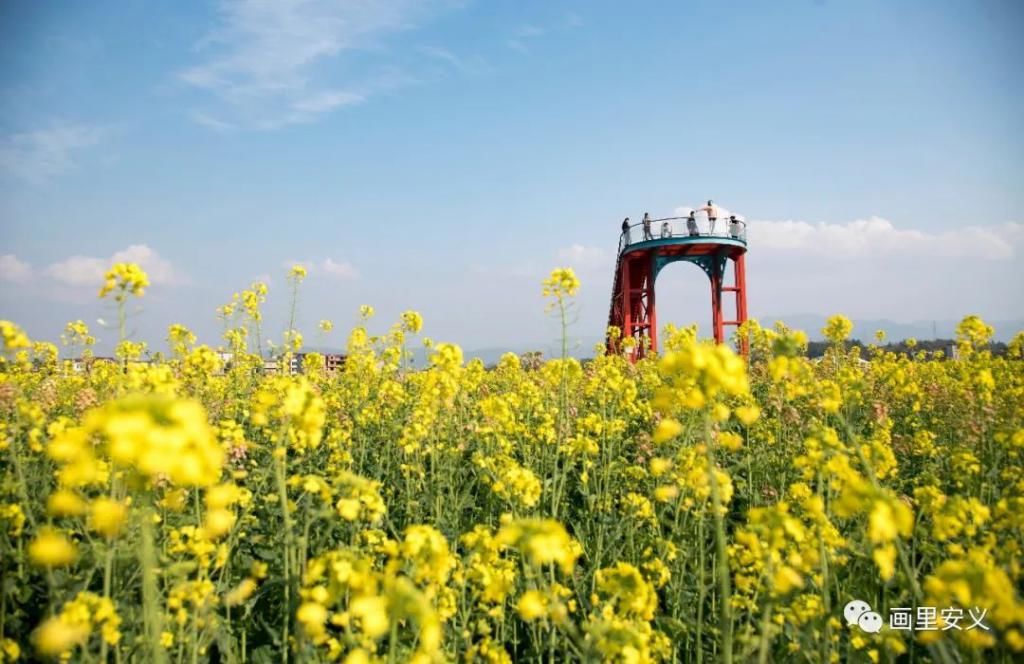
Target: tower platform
[(641, 257)]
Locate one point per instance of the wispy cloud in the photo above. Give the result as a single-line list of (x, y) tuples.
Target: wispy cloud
[(876, 236), (41, 154), (584, 257), (275, 63), (465, 64), (875, 267), (522, 270), (519, 39), (82, 271), (14, 270), (529, 31), (342, 270), (879, 236), (329, 267), (213, 123)]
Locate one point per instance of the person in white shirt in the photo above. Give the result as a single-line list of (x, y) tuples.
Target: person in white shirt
[(734, 226), (712, 211)]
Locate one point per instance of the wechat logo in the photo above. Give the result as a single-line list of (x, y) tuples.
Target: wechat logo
[(858, 612)]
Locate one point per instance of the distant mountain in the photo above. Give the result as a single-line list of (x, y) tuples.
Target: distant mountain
[(583, 347), (579, 347), (894, 331)]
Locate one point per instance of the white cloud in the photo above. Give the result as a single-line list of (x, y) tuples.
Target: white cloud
[(209, 121), (525, 270), (41, 154), (467, 65), (583, 257), (872, 268), (343, 270), (521, 37), (517, 45), (272, 64), (159, 269), (876, 235), (328, 266), (868, 269), (14, 270), (78, 271), (89, 270), (442, 54), (529, 31), (324, 101)]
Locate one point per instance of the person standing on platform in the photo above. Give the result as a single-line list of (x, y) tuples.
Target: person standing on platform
[(734, 227), (712, 211), (625, 230), (647, 227), (691, 225)]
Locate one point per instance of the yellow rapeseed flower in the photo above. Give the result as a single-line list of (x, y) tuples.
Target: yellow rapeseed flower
[(372, 612), (125, 278), (52, 549), (55, 637), (65, 502), (532, 605), (837, 328), (561, 283), (666, 430), (312, 616), (107, 516)]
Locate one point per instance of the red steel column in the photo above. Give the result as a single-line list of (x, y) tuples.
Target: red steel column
[(652, 318), (635, 308), (716, 304), (740, 276), (627, 305), (639, 310)]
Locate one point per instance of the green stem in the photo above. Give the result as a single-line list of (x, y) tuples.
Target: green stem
[(150, 592), (108, 572), (766, 624), (282, 494), (721, 557), (701, 590)]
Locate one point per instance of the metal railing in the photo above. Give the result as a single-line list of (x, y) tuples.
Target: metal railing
[(683, 228)]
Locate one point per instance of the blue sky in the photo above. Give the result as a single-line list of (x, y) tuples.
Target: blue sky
[(443, 156)]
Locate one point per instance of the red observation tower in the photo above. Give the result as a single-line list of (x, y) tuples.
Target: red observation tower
[(642, 255)]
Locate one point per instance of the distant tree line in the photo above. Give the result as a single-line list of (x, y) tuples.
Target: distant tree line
[(817, 348)]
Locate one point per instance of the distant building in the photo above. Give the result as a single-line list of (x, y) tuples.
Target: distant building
[(532, 360), (330, 362), (86, 364), (334, 362)]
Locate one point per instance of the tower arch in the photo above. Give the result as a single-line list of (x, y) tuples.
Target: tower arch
[(640, 258)]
